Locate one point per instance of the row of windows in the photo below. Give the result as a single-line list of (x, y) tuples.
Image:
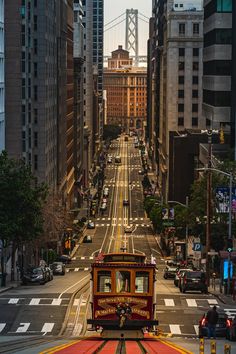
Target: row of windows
[(182, 28), (217, 98), (194, 107), (218, 36), (194, 80), (195, 52), (217, 6), (194, 93), (194, 121), (217, 67), (195, 65)]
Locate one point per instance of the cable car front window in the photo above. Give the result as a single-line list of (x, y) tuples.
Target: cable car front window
[(122, 282), (142, 282), (104, 282)]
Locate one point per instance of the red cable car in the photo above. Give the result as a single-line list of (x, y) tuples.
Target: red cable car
[(123, 295)]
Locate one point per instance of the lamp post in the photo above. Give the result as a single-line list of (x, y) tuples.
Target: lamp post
[(186, 227), (230, 176)]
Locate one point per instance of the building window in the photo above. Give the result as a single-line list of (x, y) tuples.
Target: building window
[(23, 142), (180, 121), (195, 52), (35, 93), (35, 70), (181, 80), (36, 162), (181, 52), (181, 65), (195, 65), (35, 116), (195, 107), (224, 5), (195, 28), (195, 80), (194, 93), (194, 121), (181, 93), (181, 28), (180, 107), (208, 122), (23, 114), (35, 139)]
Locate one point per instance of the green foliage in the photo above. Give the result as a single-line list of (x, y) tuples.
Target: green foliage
[(111, 132), (156, 217), (149, 202), (21, 201)]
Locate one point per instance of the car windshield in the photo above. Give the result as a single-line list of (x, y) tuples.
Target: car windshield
[(37, 271), (198, 275)]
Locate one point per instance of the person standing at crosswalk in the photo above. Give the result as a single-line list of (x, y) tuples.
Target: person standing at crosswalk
[(212, 319)]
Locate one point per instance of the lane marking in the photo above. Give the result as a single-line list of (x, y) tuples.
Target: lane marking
[(196, 328), (76, 302), (2, 326), (34, 302), (212, 301), (191, 302), (23, 327), (72, 286), (175, 329), (169, 302), (13, 301), (47, 327), (56, 302), (76, 269)]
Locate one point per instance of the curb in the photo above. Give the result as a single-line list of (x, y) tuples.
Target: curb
[(218, 297), (3, 290)]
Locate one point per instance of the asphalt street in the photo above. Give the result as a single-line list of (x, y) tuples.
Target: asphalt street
[(40, 310)]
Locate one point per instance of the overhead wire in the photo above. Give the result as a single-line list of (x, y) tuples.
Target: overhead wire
[(107, 29), (140, 13), (142, 19), (114, 20)]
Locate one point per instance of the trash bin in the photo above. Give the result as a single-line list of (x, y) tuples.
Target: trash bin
[(3, 277)]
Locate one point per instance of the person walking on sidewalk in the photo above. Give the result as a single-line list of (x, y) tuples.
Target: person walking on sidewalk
[(212, 319)]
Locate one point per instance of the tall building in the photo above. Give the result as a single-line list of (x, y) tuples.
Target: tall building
[(2, 79), (39, 90), (93, 86), (78, 99), (178, 30), (125, 87), (219, 65)]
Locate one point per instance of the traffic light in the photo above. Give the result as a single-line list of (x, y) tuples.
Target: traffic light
[(230, 245)]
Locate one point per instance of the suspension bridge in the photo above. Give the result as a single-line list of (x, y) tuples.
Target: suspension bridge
[(131, 18)]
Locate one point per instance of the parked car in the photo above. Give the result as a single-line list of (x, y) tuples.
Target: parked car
[(34, 276), (49, 273), (222, 326), (232, 329), (109, 160), (128, 229), (126, 202), (64, 258), (169, 272), (194, 280), (106, 192), (178, 274), (90, 225), (58, 268), (87, 239)]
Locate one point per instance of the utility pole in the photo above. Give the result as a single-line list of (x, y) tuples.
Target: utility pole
[(209, 205)]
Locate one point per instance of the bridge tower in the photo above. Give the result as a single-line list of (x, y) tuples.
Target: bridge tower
[(131, 34)]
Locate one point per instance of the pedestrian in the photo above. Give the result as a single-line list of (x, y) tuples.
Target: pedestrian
[(212, 319)]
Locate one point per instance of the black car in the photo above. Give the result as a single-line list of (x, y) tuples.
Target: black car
[(222, 326), (232, 329), (64, 258), (169, 272), (34, 276), (58, 268), (87, 239), (125, 202), (194, 280)]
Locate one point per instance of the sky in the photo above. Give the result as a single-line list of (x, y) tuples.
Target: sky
[(116, 36)]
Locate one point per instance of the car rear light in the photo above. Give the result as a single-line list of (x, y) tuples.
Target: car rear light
[(228, 323), (203, 321)]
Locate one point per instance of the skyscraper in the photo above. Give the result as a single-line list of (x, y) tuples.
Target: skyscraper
[(2, 79)]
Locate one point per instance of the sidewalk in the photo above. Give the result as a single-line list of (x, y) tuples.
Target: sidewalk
[(225, 299), (10, 285)]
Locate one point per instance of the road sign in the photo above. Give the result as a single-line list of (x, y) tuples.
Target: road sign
[(197, 247)]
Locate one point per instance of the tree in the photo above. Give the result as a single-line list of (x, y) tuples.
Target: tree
[(21, 201)]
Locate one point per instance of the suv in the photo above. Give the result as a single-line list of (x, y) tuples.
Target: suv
[(178, 274), (194, 280), (169, 272)]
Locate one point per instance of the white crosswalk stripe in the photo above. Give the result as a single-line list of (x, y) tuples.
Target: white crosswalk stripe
[(175, 329), (191, 302), (169, 302)]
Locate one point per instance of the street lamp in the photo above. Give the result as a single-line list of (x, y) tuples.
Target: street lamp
[(230, 176), (186, 227)]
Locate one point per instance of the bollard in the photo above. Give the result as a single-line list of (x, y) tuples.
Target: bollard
[(213, 347), (201, 346), (227, 349)]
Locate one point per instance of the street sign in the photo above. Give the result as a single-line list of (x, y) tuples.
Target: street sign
[(213, 253), (197, 247)]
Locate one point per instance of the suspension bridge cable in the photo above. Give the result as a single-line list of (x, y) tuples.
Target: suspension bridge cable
[(107, 29), (114, 20), (143, 20), (140, 13)]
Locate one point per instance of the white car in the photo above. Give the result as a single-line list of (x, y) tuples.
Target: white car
[(106, 192), (128, 229), (103, 206), (90, 225)]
